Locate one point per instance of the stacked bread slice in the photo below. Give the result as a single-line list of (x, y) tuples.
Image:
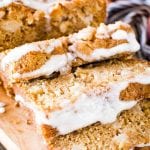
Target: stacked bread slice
[(46, 58), (87, 90)]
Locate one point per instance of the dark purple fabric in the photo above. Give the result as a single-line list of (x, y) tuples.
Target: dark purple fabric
[(1, 147), (136, 13)]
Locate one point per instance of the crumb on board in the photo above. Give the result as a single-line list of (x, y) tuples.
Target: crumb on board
[(17, 104)]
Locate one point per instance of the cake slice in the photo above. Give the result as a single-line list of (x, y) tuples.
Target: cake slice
[(131, 131), (23, 21), (60, 55), (87, 96)]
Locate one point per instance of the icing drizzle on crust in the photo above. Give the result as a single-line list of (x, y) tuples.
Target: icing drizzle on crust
[(91, 107), (43, 46), (44, 5), (62, 61), (122, 35), (117, 31)]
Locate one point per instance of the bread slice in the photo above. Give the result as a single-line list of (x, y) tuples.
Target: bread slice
[(23, 21), (90, 44), (89, 95), (130, 130)]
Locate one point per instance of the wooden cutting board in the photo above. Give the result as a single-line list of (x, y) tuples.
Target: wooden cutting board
[(17, 128)]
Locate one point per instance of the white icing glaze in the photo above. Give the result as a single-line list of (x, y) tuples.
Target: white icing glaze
[(131, 46), (104, 53), (116, 25), (35, 4), (88, 110), (89, 107), (4, 3), (106, 31), (84, 34), (55, 64), (39, 4), (119, 35), (102, 32)]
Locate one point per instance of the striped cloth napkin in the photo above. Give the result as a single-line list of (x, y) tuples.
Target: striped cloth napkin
[(137, 14)]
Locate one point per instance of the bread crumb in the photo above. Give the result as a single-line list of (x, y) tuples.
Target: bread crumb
[(17, 104), (29, 122)]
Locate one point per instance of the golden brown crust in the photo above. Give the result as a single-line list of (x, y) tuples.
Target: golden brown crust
[(38, 59), (47, 131), (7, 86), (136, 91)]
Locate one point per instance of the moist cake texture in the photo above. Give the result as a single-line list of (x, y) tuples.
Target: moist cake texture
[(130, 130), (87, 96), (103, 106), (90, 44), (24, 21)]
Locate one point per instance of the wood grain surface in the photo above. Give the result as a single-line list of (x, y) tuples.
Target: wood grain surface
[(17, 128)]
